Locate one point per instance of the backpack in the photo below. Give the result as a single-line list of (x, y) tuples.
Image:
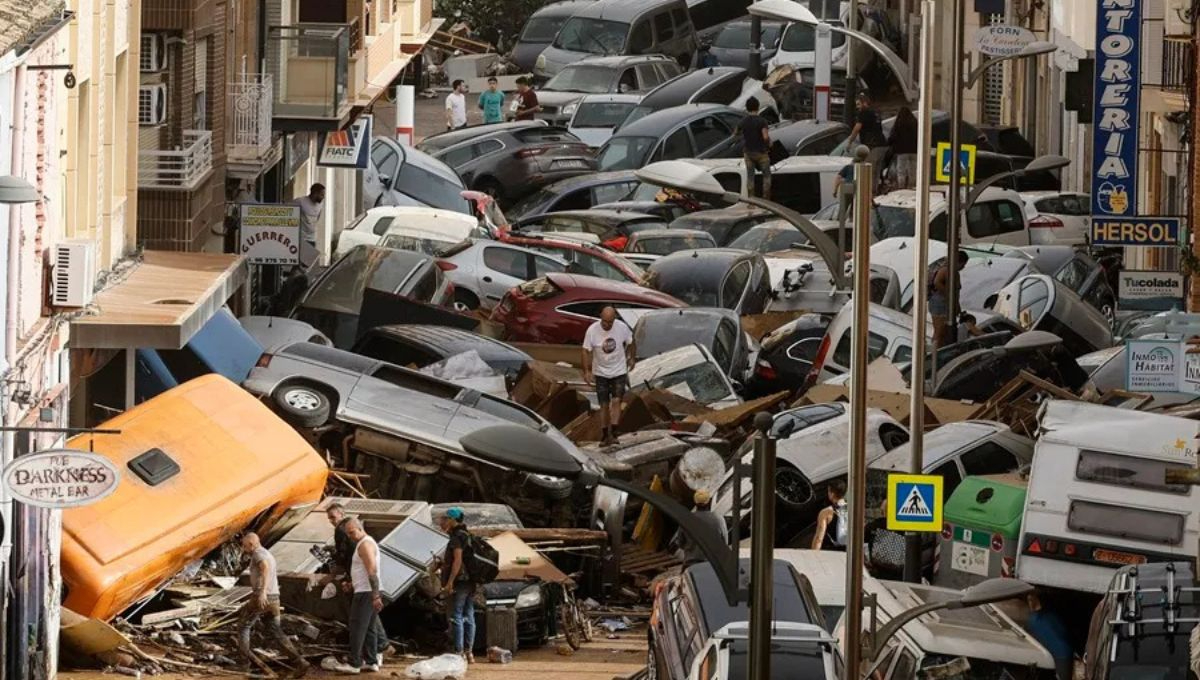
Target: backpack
[(481, 560)]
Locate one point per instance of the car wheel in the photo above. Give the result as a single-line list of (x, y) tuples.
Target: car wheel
[(556, 489), (465, 301), (303, 405), (791, 487)]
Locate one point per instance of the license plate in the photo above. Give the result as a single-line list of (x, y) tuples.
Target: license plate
[(1117, 557), (969, 559), (568, 165)]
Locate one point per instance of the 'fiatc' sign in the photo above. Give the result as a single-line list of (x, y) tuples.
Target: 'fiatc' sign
[(62, 478), (1116, 108)]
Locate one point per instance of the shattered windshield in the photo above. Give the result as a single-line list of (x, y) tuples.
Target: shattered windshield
[(684, 372)]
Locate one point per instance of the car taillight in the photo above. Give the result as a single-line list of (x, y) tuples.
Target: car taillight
[(765, 370), (997, 543), (530, 153), (1045, 222), (446, 266), (263, 361)]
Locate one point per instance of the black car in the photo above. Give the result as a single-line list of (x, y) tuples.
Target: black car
[(692, 607), (688, 131), (511, 160), (421, 345), (810, 137), (724, 224), (719, 330), (577, 193), (714, 277), (716, 85), (786, 355), (664, 210), (731, 45), (770, 237)]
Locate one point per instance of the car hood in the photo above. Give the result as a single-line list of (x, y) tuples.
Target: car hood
[(553, 60), (820, 452), (558, 98)]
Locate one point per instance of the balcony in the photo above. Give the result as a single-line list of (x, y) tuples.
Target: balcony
[(249, 149), (310, 67), (180, 169)]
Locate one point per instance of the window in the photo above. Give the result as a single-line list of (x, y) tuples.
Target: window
[(994, 218), (648, 76), (677, 145), (667, 70), (709, 666), (721, 92), (382, 225), (576, 200), (154, 467), (663, 29), (485, 147), (1131, 524), (458, 156), (876, 346), (506, 261), (607, 193), (628, 81), (641, 40), (625, 153), (707, 132), (950, 475), (734, 285), (411, 380), (989, 458), (386, 160), (395, 352), (588, 309), (592, 265), (905, 665), (593, 36), (724, 342), (804, 351), (545, 265), (1135, 473), (902, 354), (426, 285), (680, 17), (1074, 274), (820, 146)]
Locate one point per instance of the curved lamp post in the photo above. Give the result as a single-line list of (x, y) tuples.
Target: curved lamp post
[(14, 191), (786, 10), (1039, 164), (1033, 49), (684, 176)]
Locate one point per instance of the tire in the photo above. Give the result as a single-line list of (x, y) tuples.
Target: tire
[(465, 300), (302, 405), (792, 488), (554, 489)]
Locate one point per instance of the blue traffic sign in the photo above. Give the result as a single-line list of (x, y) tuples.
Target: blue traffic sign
[(966, 162), (914, 503)]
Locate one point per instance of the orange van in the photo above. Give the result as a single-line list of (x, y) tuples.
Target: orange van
[(198, 464)]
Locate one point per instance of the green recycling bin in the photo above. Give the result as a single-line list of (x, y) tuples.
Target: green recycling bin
[(981, 530)]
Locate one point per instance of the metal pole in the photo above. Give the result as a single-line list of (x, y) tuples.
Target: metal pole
[(953, 196), (916, 418), (756, 47), (851, 67), (823, 52), (762, 549), (857, 487)]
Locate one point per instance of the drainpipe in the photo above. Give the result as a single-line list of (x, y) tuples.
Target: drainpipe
[(14, 215), (15, 620)]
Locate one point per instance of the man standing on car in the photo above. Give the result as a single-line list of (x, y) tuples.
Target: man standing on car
[(939, 301), (607, 358), (491, 102), (264, 601), (869, 131), (526, 102), (456, 106), (367, 636), (456, 583), (312, 209), (756, 147)]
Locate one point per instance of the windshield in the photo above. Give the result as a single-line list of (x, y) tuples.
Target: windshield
[(701, 383), (637, 113), (769, 240), (340, 289), (418, 244), (432, 190), (737, 36), (531, 204), (893, 221), (589, 79), (601, 114), (625, 153), (594, 36), (803, 38), (695, 294), (665, 245), (541, 29)]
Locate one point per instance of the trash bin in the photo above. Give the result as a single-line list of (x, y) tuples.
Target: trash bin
[(980, 531)]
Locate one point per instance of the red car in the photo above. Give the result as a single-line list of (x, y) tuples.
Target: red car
[(559, 308), (582, 258)]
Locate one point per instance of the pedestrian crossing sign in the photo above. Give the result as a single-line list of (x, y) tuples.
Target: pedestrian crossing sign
[(914, 503), (966, 161)]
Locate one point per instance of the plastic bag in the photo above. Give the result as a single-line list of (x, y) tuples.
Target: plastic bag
[(438, 668)]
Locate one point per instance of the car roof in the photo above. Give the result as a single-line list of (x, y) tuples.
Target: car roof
[(661, 122), (445, 140), (692, 257), (591, 179), (425, 161), (618, 60), (789, 164), (907, 198), (449, 340), (566, 8), (697, 268), (604, 287), (716, 611), (679, 90), (420, 211), (739, 211), (603, 215), (647, 234), (611, 98), (623, 10), (941, 443)]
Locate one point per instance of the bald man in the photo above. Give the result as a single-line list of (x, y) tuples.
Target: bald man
[(607, 360), (264, 601)]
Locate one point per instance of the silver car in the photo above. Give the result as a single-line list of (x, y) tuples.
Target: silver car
[(310, 386), (484, 270)]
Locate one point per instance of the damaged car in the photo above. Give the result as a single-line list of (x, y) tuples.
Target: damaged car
[(719, 330), (691, 372), (1039, 302)]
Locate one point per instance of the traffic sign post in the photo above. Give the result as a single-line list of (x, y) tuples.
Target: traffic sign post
[(914, 503), (966, 161)]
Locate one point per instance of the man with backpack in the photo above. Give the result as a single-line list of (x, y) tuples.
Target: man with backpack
[(468, 563)]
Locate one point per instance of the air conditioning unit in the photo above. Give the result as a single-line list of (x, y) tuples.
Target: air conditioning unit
[(154, 53), (152, 104), (74, 274)]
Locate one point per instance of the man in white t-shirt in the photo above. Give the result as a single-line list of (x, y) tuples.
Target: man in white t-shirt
[(607, 358), (456, 106), (312, 208)]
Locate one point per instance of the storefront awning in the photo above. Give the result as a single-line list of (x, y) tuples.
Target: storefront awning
[(161, 303)]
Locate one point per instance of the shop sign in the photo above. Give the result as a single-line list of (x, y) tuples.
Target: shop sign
[(270, 233), (1002, 41), (1150, 291), (1135, 231), (60, 478), (1116, 108), (349, 148)]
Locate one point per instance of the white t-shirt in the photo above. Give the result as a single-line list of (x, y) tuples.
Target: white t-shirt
[(456, 104), (310, 214), (608, 348)]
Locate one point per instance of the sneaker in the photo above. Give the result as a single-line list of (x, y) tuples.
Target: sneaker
[(346, 669), (379, 659), (370, 668)]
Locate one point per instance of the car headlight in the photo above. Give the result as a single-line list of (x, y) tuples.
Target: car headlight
[(530, 597), (540, 64), (569, 109)]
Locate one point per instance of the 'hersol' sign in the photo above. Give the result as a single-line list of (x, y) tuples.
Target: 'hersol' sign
[(1135, 231)]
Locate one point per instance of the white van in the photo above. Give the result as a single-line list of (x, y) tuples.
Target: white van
[(1097, 498), (997, 217)]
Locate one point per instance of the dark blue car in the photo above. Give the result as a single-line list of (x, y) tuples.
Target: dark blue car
[(221, 346)]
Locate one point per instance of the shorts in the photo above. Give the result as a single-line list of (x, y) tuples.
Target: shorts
[(939, 305), (607, 388)]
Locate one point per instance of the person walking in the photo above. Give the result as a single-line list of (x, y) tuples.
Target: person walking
[(756, 148), (939, 301), (264, 602), (902, 145), (525, 104), (491, 102), (607, 359), (312, 209), (868, 131), (343, 545), (456, 583), (456, 106), (833, 522), (367, 636)]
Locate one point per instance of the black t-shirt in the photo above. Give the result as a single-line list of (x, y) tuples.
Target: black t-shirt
[(528, 101), (343, 546), (752, 134), (459, 538), (871, 133)]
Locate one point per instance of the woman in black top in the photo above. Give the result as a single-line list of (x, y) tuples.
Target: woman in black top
[(903, 146)]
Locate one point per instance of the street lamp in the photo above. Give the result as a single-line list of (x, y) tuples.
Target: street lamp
[(689, 177), (985, 592), (1039, 164), (1033, 49), (787, 10)]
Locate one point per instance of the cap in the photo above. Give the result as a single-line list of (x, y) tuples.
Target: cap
[(455, 513), (701, 497)]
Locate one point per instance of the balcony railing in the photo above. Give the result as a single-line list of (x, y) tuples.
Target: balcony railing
[(309, 65), (250, 136), (1176, 65), (180, 169)]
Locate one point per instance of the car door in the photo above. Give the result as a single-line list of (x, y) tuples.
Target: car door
[(733, 288), (710, 136), (386, 157), (999, 221), (676, 145), (478, 160), (501, 268)]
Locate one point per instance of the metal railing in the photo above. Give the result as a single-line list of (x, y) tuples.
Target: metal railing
[(180, 169), (309, 67), (250, 135), (1176, 65)]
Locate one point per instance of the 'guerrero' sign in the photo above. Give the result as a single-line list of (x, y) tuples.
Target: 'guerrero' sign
[(270, 233), (1002, 41), (61, 478), (1115, 108), (1150, 291), (1135, 231)]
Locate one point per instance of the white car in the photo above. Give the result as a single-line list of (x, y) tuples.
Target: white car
[(482, 271), (1062, 217), (425, 230), (596, 116), (797, 45), (998, 217)]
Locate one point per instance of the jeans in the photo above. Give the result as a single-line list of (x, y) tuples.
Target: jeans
[(762, 163), (368, 639), (250, 614), (462, 617)]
